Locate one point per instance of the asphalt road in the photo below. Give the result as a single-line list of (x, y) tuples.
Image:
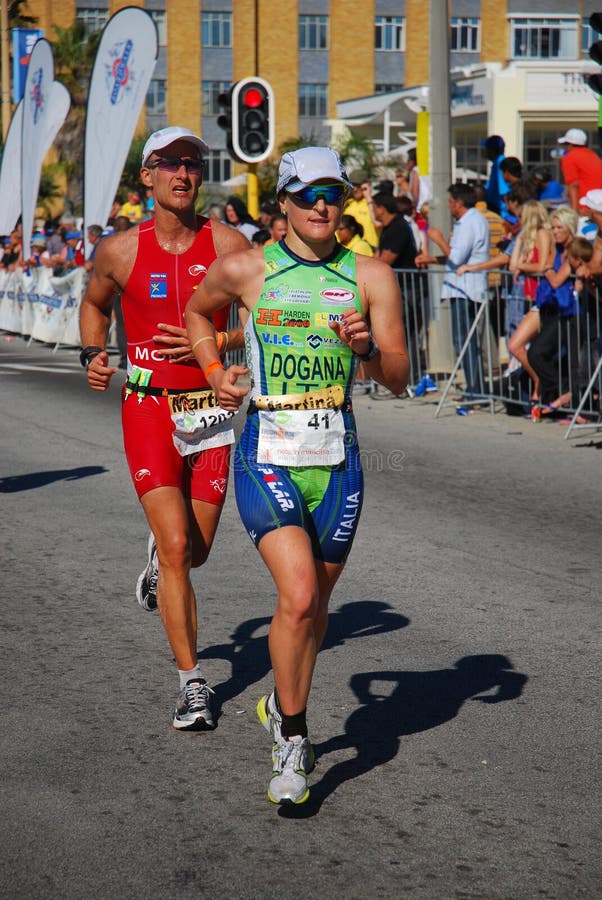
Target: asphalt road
[(456, 704)]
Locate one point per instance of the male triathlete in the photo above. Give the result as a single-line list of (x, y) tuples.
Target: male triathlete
[(177, 442), (298, 476)]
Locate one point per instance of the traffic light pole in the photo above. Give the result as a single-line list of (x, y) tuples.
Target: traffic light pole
[(252, 190)]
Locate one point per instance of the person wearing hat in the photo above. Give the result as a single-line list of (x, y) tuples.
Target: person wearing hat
[(39, 253), (177, 441), (581, 167), (496, 187), (297, 469), (547, 190), (359, 205), (592, 204)]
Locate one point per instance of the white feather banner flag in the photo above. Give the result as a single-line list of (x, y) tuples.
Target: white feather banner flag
[(122, 71)]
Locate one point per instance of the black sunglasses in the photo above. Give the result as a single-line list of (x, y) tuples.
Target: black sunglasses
[(174, 163)]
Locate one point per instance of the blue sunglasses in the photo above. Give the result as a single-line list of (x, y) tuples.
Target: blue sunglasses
[(330, 193)]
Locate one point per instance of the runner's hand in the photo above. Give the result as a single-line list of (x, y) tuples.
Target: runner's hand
[(223, 382), (353, 330), (174, 344), (100, 372)]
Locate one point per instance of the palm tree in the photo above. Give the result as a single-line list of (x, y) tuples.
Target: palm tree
[(74, 51)]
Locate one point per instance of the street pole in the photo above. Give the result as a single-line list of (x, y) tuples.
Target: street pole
[(439, 106), (440, 144), (4, 65)]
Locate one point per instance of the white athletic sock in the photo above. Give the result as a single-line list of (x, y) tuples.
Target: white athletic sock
[(187, 674)]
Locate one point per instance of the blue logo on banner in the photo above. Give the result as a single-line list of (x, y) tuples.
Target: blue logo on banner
[(158, 287), (118, 72), (37, 97)]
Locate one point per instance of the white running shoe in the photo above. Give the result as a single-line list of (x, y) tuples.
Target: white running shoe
[(193, 707), (292, 760), (269, 716), (146, 586)]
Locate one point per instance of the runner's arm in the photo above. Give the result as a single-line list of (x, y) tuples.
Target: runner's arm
[(379, 290), (95, 317)]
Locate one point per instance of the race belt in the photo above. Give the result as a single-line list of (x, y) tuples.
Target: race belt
[(323, 398)]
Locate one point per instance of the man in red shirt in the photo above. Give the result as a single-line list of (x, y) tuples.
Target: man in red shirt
[(581, 167), (177, 440)]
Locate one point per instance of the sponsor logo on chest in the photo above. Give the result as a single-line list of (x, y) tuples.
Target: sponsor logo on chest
[(158, 286)]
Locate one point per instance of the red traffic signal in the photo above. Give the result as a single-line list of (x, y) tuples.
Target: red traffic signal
[(252, 120)]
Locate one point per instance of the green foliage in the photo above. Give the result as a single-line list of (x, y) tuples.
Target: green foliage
[(130, 177), (357, 152), (49, 189)]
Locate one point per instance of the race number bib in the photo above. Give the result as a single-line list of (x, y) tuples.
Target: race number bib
[(301, 437), (199, 422)]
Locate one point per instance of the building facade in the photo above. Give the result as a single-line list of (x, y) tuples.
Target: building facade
[(517, 67)]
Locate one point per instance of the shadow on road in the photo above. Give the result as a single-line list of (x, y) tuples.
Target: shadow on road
[(398, 703), (248, 651), (13, 483)]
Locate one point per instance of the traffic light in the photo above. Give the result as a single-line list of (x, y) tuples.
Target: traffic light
[(595, 52), (248, 119)]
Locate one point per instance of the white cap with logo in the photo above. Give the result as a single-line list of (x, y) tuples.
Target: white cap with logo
[(574, 136), (299, 168), (592, 200), (166, 136)]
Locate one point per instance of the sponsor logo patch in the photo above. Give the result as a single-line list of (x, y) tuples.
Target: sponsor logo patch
[(158, 286), (338, 296), (197, 269)]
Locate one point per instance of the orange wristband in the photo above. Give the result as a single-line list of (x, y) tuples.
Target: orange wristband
[(216, 364)]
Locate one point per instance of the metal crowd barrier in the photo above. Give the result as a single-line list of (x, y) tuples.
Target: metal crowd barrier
[(488, 325)]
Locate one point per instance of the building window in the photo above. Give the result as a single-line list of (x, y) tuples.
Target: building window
[(313, 32), (543, 38), (159, 17), (312, 100), (465, 35), (156, 97), (216, 29), (219, 166), (92, 19), (211, 91), (588, 38), (390, 33), (387, 88)]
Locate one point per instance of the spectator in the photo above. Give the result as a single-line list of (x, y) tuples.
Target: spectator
[(12, 257), (216, 213), (132, 208), (94, 235), (261, 237), (267, 210), (420, 185), (532, 254), (547, 190), (512, 170), (149, 203), (39, 253), (581, 167), (402, 182), (237, 216), (75, 250), (553, 354), (496, 187), (351, 235), (360, 204), (397, 248), (469, 244), (278, 227)]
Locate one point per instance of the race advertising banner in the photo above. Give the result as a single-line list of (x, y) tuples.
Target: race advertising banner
[(10, 174), (45, 106), (123, 67), (24, 40)]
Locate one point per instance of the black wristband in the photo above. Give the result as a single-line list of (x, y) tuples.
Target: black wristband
[(88, 353), (370, 352)]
